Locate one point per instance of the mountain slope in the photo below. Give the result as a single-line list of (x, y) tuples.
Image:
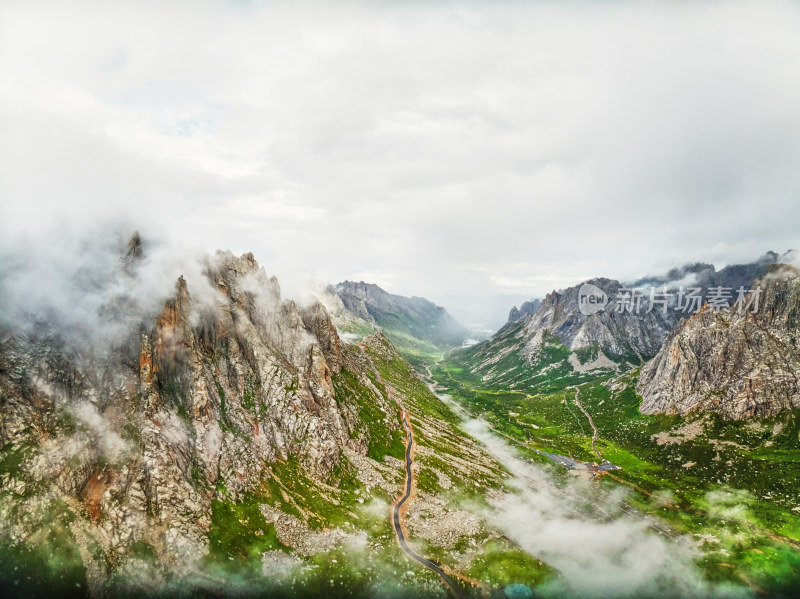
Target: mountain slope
[(414, 325), (740, 364), (557, 344), (151, 441)]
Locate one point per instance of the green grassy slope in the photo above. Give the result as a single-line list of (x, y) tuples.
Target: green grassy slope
[(733, 485)]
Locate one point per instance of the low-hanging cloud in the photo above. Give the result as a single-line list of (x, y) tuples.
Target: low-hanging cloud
[(76, 285), (110, 443), (462, 151), (599, 545)]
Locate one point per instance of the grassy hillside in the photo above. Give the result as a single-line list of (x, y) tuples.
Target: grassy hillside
[(731, 485)]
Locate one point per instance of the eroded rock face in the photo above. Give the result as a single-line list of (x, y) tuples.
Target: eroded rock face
[(190, 408), (613, 336), (740, 365)]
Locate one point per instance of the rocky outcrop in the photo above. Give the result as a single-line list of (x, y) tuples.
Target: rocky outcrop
[(620, 334), (524, 310), (320, 324), (135, 251), (189, 408), (737, 363)]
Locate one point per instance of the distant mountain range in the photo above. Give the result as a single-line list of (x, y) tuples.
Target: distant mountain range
[(415, 325), (551, 342)]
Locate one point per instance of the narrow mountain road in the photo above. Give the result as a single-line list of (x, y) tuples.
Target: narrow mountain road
[(595, 432), (397, 510)]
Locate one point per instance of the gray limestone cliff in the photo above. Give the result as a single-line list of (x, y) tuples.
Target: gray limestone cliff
[(409, 322)]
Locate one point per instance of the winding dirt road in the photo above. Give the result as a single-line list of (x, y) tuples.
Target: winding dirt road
[(397, 512), (595, 432), (397, 508)]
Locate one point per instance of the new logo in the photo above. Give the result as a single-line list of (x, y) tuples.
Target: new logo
[(591, 299)]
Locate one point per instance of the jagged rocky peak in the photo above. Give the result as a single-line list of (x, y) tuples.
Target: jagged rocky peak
[(134, 253), (739, 363), (134, 247), (525, 309), (319, 323), (229, 378), (618, 334)]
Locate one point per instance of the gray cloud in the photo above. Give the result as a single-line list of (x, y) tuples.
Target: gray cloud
[(468, 152)]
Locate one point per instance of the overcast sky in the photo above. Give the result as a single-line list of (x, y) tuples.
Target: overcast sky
[(474, 153)]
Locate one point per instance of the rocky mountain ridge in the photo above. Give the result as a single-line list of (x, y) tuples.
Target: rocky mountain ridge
[(735, 362), (620, 334), (136, 447), (705, 275), (557, 341), (412, 323), (525, 309)]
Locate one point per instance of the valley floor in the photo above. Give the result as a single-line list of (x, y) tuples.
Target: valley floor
[(728, 488)]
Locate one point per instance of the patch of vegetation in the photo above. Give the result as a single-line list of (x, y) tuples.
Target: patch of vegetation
[(238, 535), (428, 481), (12, 456), (47, 563), (588, 354), (144, 551), (382, 438), (400, 375), (325, 507), (502, 565)]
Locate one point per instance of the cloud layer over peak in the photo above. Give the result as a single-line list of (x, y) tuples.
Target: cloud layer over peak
[(459, 151)]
